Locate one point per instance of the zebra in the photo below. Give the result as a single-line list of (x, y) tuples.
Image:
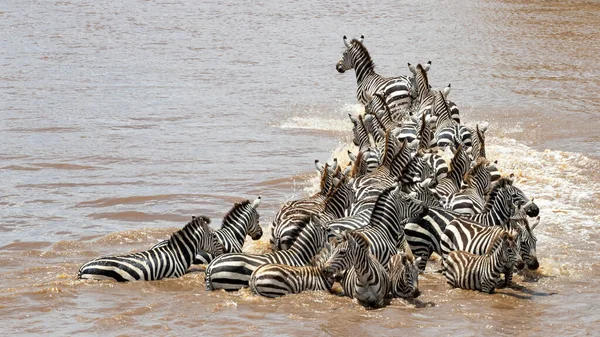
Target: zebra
[(422, 104), (241, 220), (519, 197), (372, 153), (275, 280), (396, 89), (170, 260), (384, 116), (527, 242), (367, 280), (423, 234), (480, 272), (232, 271), (404, 275), (447, 131), (293, 213), (459, 165), (469, 236), (385, 226), (471, 200)]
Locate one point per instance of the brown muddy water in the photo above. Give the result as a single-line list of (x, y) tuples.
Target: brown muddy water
[(119, 121)]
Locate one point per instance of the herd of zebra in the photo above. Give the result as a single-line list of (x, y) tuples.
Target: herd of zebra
[(373, 225)]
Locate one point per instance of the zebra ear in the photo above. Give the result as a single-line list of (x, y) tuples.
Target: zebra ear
[(256, 202), (319, 166), (351, 155), (353, 119), (412, 69), (362, 37), (346, 42), (417, 261), (446, 91), (534, 223), (427, 66), (335, 164), (483, 126)]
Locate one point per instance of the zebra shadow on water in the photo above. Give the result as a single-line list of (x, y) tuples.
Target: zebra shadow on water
[(522, 292)]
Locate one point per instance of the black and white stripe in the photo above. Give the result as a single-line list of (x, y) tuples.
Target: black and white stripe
[(480, 272), (396, 90), (170, 260), (232, 271)]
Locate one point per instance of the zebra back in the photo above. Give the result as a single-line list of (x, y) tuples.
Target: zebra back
[(169, 260)]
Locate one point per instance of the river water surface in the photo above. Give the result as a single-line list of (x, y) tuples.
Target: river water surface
[(120, 121)]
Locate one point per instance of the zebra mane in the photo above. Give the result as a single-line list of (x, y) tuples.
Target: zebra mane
[(423, 134), (356, 168), (481, 138), (356, 44), (457, 154), (360, 239), (381, 199), (480, 165), (324, 180), (496, 242), (442, 122), (496, 188), (424, 74), (322, 256), (229, 215), (195, 222), (333, 192)]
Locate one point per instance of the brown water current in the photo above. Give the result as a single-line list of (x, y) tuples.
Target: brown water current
[(120, 120)]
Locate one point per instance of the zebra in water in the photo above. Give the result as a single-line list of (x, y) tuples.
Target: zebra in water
[(471, 200), (396, 89), (519, 197), (170, 260), (292, 214), (459, 165), (232, 271), (424, 234), (447, 131), (367, 280), (480, 272), (404, 275), (275, 280), (372, 152), (241, 220)]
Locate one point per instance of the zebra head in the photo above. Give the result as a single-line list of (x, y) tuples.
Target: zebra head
[(420, 82), (339, 259), (520, 199), (253, 228), (349, 56), (410, 207), (404, 275), (207, 240), (527, 240)]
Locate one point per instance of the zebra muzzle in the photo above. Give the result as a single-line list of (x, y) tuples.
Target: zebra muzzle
[(340, 67)]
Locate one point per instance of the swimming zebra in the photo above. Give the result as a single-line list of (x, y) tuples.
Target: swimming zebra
[(423, 234), (385, 226), (471, 200), (275, 280), (232, 271), (170, 260), (452, 182), (241, 220), (404, 275), (367, 280), (293, 213), (480, 272), (395, 89), (471, 237)]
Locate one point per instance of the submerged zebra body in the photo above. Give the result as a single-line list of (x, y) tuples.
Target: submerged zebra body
[(169, 260), (232, 271), (275, 280), (241, 220), (367, 280), (480, 272)]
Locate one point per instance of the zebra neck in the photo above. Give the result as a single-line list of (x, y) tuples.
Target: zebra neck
[(186, 248), (226, 233), (365, 268)]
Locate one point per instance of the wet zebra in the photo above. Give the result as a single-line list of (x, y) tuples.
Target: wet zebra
[(293, 213), (452, 182), (519, 197), (395, 89), (471, 237), (480, 272), (367, 280), (275, 280), (241, 220), (170, 260), (448, 132), (471, 200), (232, 271), (424, 234), (404, 275)]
